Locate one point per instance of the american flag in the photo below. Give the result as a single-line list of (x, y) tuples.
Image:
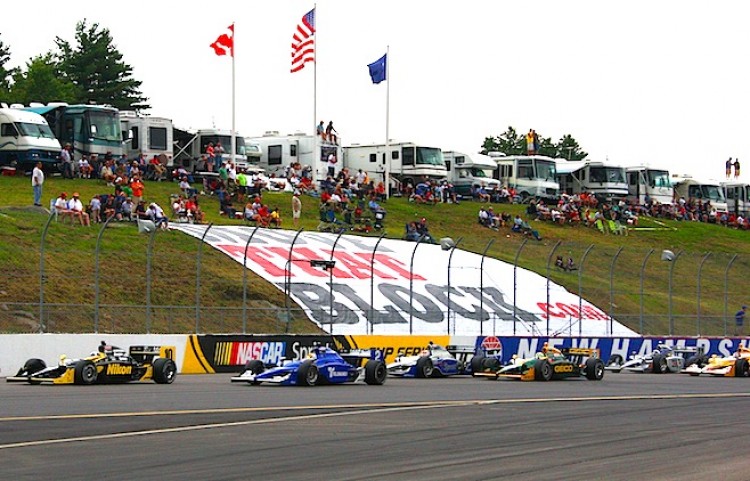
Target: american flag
[(303, 43)]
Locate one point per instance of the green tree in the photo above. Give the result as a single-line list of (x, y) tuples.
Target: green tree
[(42, 82), (5, 73), (98, 71), (509, 143), (568, 148)]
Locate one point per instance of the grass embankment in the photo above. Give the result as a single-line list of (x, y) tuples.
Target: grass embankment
[(70, 278)]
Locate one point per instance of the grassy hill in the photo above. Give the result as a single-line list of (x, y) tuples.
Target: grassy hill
[(70, 287)]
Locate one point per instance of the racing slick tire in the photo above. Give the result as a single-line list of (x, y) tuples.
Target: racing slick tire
[(659, 364), (615, 360), (165, 370), (700, 361), (425, 367), (32, 366), (307, 374), (375, 372), (85, 373), (254, 366), (594, 369), (477, 363), (543, 370), (741, 368)]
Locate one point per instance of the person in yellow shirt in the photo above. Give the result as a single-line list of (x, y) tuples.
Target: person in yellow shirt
[(530, 150)]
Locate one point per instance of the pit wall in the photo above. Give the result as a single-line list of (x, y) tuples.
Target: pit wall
[(210, 353)]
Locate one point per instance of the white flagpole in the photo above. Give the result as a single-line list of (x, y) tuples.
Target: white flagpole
[(316, 157), (233, 148), (387, 120)]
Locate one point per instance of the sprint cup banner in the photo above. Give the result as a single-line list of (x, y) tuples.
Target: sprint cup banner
[(387, 301)]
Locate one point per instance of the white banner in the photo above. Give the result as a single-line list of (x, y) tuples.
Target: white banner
[(389, 302)]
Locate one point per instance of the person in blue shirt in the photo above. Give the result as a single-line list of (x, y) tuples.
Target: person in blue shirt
[(739, 321)]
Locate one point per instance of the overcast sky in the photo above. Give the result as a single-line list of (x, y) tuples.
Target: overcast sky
[(660, 82)]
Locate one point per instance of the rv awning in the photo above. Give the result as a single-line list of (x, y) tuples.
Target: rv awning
[(568, 166), (41, 110)]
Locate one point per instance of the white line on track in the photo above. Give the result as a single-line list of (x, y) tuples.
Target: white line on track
[(371, 409)]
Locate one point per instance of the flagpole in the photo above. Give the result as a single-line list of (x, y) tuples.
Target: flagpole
[(316, 157), (233, 142), (387, 120)]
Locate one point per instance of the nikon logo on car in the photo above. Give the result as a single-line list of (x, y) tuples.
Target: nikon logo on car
[(118, 370), (564, 368)]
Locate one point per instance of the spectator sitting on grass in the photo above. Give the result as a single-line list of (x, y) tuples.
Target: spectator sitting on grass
[(194, 210), (156, 214), (423, 230)]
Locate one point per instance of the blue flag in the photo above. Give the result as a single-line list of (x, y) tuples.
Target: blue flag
[(377, 69)]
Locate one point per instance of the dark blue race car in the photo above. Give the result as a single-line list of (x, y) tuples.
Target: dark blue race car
[(324, 366)]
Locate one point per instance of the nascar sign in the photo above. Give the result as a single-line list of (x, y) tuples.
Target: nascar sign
[(378, 291)]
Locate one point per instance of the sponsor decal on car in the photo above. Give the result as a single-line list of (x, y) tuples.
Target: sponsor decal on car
[(564, 368), (118, 370), (333, 373)]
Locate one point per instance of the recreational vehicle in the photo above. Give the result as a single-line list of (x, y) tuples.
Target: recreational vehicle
[(405, 162), (645, 182), (189, 145), (530, 175), (467, 171), (277, 152), (25, 139), (151, 136), (690, 188), (89, 129), (737, 195), (606, 181)]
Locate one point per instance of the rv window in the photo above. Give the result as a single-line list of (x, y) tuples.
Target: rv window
[(8, 130), (408, 155), (293, 150), (633, 178), (460, 159), (373, 157), (135, 141), (157, 138), (394, 155), (274, 155)]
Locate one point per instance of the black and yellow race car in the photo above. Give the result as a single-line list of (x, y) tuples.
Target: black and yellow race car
[(107, 365), (550, 363)]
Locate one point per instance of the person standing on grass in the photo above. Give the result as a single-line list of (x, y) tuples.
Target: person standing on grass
[(37, 180), (739, 321), (296, 208)]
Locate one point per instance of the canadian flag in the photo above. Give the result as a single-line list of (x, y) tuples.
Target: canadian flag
[(224, 45)]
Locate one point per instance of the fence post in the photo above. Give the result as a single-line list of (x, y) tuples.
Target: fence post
[(700, 268), (41, 271), (149, 255), (244, 281), (288, 282), (481, 287), (549, 259), (612, 290), (450, 258), (330, 286), (411, 284), (515, 283), (726, 290), (643, 270), (96, 273), (580, 288), (198, 279), (671, 274), (372, 284)]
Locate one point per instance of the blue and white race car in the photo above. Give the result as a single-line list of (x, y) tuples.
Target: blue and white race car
[(323, 366), (438, 361)]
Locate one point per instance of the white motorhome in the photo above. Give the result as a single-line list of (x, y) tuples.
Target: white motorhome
[(406, 162), (151, 136), (529, 175), (646, 181), (604, 180), (25, 139), (277, 152), (466, 171), (689, 188), (737, 195), (189, 145)]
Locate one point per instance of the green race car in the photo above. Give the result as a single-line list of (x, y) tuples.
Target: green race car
[(550, 363)]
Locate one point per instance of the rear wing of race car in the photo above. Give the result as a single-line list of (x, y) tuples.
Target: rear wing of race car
[(358, 357), (580, 351), (147, 354)]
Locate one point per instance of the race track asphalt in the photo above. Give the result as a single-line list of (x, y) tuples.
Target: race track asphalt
[(628, 426)]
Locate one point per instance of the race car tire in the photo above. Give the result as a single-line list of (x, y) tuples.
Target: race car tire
[(543, 370), (375, 372), (491, 364), (741, 368), (307, 374), (254, 366), (477, 363), (659, 364), (32, 366), (594, 369), (425, 367), (85, 373), (165, 370), (615, 360)]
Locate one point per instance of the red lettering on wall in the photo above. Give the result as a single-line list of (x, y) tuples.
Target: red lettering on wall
[(257, 255), (393, 264), (552, 311), (358, 268)]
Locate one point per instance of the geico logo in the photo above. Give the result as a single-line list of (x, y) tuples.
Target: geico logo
[(117, 369), (564, 368), (332, 372)]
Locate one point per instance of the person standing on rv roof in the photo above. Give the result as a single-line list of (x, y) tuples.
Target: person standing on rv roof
[(331, 133), (530, 143), (322, 131), (729, 167), (736, 168)]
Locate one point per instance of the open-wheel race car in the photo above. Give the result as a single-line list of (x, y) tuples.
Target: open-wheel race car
[(736, 365), (551, 363), (439, 361), (107, 365), (663, 359), (323, 366)]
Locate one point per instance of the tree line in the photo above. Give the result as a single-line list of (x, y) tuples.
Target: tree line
[(512, 143)]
